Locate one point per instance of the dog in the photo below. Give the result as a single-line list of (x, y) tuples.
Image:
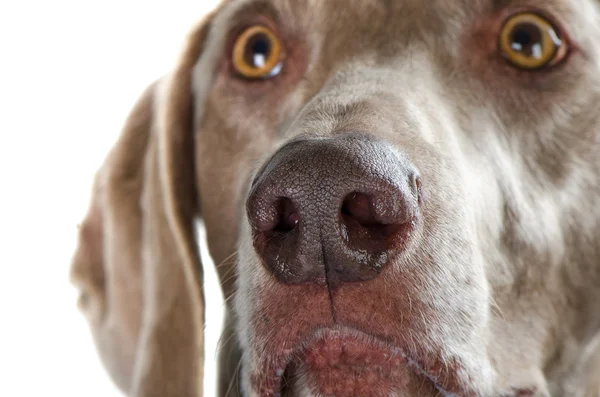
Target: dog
[(401, 198)]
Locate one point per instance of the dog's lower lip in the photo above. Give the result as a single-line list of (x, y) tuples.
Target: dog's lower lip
[(336, 354), (346, 365)]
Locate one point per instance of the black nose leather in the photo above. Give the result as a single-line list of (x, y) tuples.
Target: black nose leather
[(333, 210)]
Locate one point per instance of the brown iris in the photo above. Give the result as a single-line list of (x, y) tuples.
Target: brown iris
[(530, 41), (257, 53)]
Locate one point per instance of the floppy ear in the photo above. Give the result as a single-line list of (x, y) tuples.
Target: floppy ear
[(137, 264)]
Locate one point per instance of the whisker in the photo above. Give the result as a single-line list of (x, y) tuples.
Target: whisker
[(235, 379), (227, 299), (226, 279), (223, 343), (496, 306), (225, 261)]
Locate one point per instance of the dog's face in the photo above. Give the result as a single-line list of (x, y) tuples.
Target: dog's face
[(411, 189), (422, 216), (414, 189)]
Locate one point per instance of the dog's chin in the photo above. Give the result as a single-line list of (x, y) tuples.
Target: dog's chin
[(347, 365)]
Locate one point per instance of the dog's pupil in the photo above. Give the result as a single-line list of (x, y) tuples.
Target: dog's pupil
[(527, 39), (258, 51)]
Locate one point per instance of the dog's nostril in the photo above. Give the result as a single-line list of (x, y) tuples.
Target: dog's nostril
[(359, 207), (288, 216), (378, 222)]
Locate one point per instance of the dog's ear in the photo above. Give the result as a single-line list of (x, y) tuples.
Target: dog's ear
[(137, 264)]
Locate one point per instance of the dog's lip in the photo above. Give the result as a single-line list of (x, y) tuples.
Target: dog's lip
[(272, 382)]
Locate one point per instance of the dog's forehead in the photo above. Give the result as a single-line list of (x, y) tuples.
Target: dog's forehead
[(383, 16), (362, 19), (385, 27)]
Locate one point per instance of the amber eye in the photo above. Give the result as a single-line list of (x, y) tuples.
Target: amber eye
[(530, 41), (257, 53)]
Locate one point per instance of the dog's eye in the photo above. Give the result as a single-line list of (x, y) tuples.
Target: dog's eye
[(257, 53), (530, 41)]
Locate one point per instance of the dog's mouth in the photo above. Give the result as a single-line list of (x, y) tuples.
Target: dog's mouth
[(345, 363)]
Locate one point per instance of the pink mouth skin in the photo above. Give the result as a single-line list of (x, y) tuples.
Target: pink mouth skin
[(347, 363)]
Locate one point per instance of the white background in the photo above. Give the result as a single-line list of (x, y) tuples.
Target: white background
[(69, 73)]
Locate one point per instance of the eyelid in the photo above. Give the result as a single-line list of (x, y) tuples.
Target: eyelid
[(247, 15)]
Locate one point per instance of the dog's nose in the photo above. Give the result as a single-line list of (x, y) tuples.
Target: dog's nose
[(333, 210)]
